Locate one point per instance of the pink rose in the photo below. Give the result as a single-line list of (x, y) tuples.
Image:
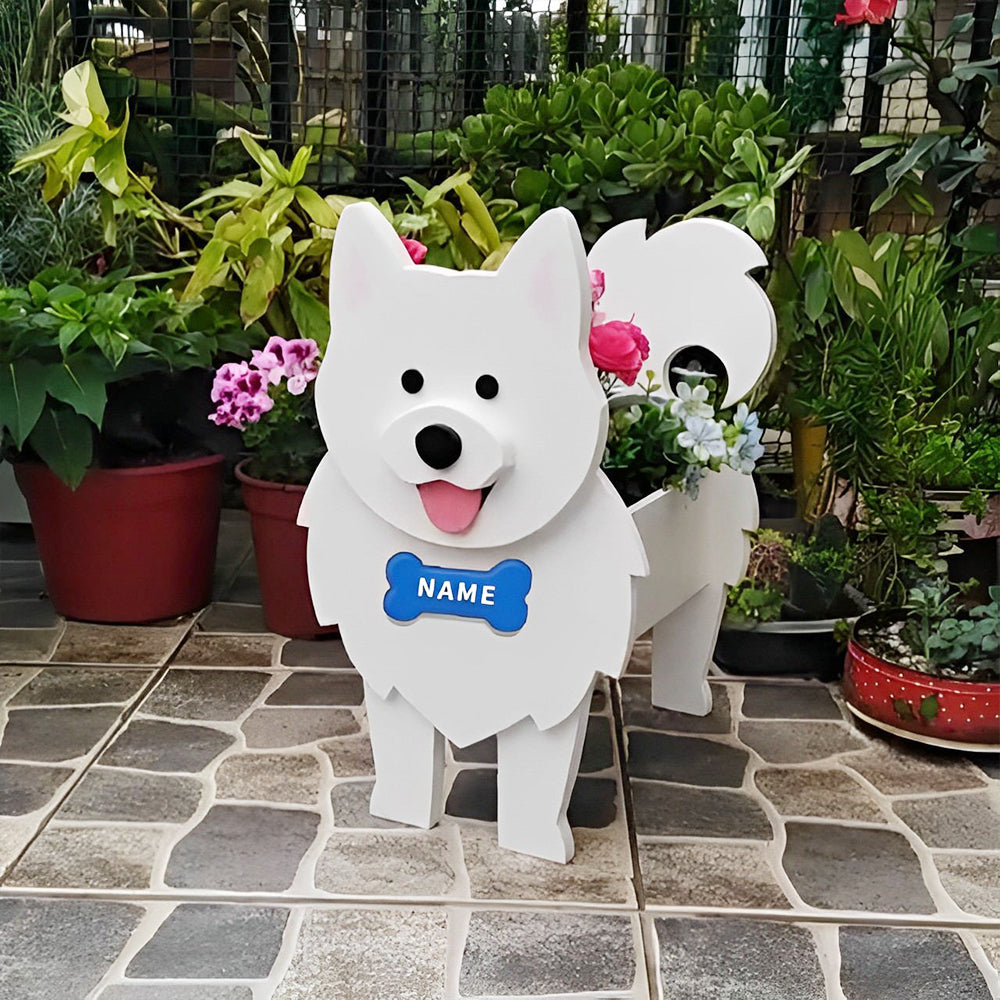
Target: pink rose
[(596, 286), (415, 249), (872, 11), (619, 347)]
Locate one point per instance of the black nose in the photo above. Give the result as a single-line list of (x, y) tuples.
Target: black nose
[(439, 446)]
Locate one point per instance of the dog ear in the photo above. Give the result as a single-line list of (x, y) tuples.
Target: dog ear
[(366, 252), (547, 270)]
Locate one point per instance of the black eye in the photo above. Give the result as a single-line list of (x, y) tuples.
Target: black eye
[(487, 386), (412, 380)]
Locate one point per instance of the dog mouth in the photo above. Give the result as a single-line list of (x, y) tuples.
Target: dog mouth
[(451, 508)]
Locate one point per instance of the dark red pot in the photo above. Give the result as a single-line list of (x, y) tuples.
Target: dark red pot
[(934, 710), (279, 546), (128, 545)]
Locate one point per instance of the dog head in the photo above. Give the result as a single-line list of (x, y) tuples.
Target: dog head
[(461, 407)]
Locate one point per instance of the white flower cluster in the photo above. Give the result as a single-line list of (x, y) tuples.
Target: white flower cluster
[(738, 443)]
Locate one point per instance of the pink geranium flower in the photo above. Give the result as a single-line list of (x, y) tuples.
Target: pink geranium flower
[(860, 11), (241, 394), (282, 358), (415, 249), (619, 347)]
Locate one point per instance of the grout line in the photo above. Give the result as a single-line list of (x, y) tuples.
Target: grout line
[(626, 790)]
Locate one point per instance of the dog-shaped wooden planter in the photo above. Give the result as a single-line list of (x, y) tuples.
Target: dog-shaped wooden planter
[(481, 567)]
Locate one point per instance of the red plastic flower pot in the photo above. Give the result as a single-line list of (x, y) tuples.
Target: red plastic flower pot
[(128, 545), (934, 710), (279, 546)]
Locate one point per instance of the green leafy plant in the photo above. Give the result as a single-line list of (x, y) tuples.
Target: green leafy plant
[(68, 336), (819, 566), (619, 141), (752, 603)]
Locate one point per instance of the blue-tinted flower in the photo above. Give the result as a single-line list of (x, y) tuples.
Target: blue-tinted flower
[(691, 402), (703, 437)]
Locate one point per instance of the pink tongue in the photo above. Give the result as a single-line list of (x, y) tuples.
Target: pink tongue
[(449, 507)]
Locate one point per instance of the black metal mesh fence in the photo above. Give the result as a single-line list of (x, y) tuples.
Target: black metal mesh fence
[(374, 86)]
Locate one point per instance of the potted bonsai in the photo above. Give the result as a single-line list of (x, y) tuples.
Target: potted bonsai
[(785, 616), (98, 376), (930, 670)]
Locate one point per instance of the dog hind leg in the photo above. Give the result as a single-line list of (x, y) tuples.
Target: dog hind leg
[(683, 644), (409, 762), (536, 771)]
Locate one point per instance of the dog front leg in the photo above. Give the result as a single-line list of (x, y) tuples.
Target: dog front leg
[(683, 644), (409, 762), (536, 771)]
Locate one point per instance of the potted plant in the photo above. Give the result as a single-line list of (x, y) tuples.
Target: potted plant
[(98, 377), (930, 670), (785, 616)]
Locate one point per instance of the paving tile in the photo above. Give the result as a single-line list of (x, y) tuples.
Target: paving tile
[(15, 834), (81, 686), (154, 745), (598, 701), (368, 955), (412, 864), (474, 796), (212, 695), (676, 810), (22, 578), (708, 874), (641, 659), (135, 644), (242, 849), (88, 857), (350, 807), (205, 941), (784, 742), (894, 963), (174, 991), (327, 688), (55, 734), (24, 788), (26, 645), (600, 872), (290, 727), (204, 650), (60, 949), (686, 759), (988, 763), (598, 754), (855, 868), (817, 792), (638, 710), (972, 880), (245, 586), (110, 793), (990, 941), (481, 752), (529, 954), (968, 821), (351, 756), (736, 959), (233, 618), (898, 768), (328, 652), (13, 679), (27, 613), (269, 778), (789, 701)]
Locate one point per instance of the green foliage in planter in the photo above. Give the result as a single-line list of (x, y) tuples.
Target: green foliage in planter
[(68, 336), (819, 566), (760, 595), (618, 142), (881, 339), (957, 641), (751, 603)]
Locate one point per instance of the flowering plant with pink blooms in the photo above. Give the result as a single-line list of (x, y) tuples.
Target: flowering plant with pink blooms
[(655, 443), (270, 400)]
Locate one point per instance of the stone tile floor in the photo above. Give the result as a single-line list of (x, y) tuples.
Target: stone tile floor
[(183, 816)]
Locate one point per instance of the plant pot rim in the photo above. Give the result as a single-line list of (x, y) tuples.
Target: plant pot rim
[(265, 484), (162, 468), (792, 628), (858, 648)]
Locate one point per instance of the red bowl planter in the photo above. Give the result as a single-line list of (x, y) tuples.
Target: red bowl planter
[(279, 546), (128, 545), (935, 710)]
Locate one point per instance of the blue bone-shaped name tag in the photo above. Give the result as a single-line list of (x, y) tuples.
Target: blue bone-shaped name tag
[(496, 595)]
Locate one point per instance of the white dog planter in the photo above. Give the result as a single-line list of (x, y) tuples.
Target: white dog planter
[(687, 285), (481, 567)]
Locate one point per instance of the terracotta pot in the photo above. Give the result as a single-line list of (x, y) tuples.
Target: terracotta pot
[(279, 546), (939, 711), (128, 545)]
